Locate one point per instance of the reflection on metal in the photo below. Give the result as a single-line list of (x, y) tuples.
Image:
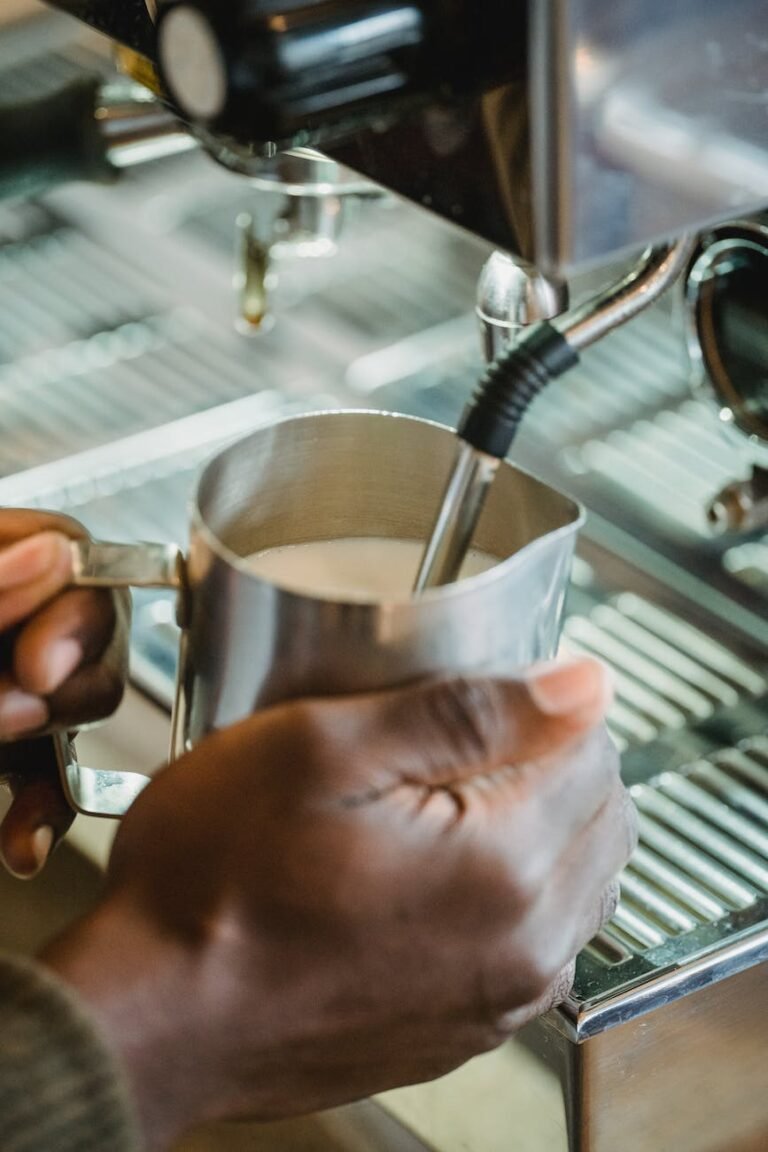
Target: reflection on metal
[(136, 127), (305, 172), (619, 303), (727, 322), (461, 506), (658, 117), (98, 564), (472, 475), (741, 506), (599, 132), (668, 674), (93, 792), (511, 295), (254, 279)]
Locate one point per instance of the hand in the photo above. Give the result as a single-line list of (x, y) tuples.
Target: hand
[(338, 897), (63, 655)]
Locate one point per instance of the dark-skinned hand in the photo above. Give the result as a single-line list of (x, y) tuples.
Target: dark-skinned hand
[(63, 661), (338, 897)]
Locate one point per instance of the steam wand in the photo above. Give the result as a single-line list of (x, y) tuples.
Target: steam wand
[(490, 422)]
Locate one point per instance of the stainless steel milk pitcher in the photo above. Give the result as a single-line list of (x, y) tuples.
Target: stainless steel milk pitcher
[(248, 643)]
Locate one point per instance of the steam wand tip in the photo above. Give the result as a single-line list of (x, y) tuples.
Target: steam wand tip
[(486, 432)]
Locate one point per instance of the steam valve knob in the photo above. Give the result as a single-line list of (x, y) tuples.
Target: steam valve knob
[(272, 70)]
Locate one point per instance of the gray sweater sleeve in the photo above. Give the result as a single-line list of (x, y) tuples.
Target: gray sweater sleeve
[(60, 1087)]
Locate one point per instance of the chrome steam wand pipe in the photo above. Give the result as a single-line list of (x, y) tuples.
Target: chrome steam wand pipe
[(490, 422), (657, 270), (460, 510)]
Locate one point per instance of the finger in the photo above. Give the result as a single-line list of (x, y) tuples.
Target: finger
[(551, 801), (32, 571), (548, 981), (559, 990), (39, 815), (563, 906), (18, 523), (72, 630), (92, 694), (581, 893), (443, 733), (20, 712)]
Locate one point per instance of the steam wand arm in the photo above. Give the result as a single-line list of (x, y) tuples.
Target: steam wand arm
[(491, 420)]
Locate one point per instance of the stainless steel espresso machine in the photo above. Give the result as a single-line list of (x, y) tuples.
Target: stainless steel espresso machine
[(575, 159)]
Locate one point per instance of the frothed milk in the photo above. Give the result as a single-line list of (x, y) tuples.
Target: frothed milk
[(369, 568)]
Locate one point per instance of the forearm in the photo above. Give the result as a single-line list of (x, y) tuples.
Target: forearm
[(60, 1086)]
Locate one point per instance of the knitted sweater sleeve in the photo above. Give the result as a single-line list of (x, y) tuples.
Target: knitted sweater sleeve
[(60, 1087)]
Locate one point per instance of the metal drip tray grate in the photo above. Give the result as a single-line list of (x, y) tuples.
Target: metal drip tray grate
[(57, 288), (702, 858), (668, 674)]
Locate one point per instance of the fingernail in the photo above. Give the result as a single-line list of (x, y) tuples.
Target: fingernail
[(21, 712), (60, 661), (561, 688), (32, 558), (42, 845)]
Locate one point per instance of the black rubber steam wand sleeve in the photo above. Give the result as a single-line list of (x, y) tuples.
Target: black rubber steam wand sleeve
[(491, 419), (52, 139)]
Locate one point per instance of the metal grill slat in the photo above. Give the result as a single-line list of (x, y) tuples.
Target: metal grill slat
[(720, 847), (695, 799), (728, 887), (729, 788)]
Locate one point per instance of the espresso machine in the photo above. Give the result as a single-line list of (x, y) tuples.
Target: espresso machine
[(601, 169)]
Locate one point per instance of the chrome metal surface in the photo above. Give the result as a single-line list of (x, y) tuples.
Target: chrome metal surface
[(303, 172), (727, 322), (742, 506), (289, 484), (461, 506), (99, 564), (511, 295), (137, 128), (469, 483), (95, 792), (686, 1074), (603, 130), (648, 120), (656, 272)]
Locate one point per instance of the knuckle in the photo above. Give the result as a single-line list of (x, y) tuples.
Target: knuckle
[(471, 712), (537, 973), (307, 724), (526, 881)]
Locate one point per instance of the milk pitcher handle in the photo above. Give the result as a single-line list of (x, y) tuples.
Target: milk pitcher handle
[(100, 564)]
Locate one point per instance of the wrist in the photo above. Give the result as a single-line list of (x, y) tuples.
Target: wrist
[(137, 984)]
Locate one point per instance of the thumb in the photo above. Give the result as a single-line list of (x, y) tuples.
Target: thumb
[(451, 730)]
